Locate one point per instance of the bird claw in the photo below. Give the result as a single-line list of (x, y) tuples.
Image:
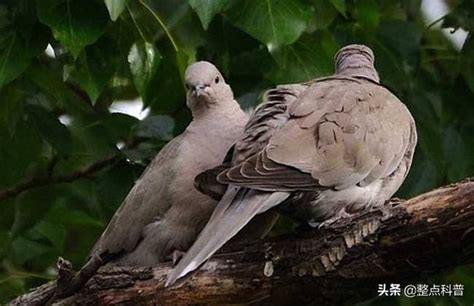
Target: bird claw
[(176, 256), (385, 209), (341, 215)]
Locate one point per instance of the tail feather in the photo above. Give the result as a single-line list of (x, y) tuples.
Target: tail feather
[(237, 207)]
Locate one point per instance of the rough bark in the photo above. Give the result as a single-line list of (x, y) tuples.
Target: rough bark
[(338, 265)]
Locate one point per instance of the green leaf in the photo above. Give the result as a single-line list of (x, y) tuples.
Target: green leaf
[(4, 242), (53, 131), (49, 80), (159, 127), (467, 61), (93, 140), (80, 218), (21, 39), (123, 35), (397, 50), (11, 107), (56, 233), (115, 8), (273, 22), (367, 13), (403, 38), (15, 55), (324, 15), (22, 152), (183, 60), (10, 287), (340, 5), (31, 207), (310, 57), (94, 68), (25, 250), (114, 184), (207, 9), (75, 23), (423, 176), (120, 125), (7, 217), (144, 61), (72, 209), (457, 155), (430, 143), (165, 92)]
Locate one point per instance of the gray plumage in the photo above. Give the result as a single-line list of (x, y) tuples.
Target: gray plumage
[(163, 213), (318, 150)]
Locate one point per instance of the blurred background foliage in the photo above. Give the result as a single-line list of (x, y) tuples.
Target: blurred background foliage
[(68, 157)]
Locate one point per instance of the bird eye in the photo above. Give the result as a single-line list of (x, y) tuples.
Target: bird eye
[(187, 86), (217, 79)]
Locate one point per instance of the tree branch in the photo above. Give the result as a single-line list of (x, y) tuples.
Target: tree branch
[(341, 264), (49, 178)]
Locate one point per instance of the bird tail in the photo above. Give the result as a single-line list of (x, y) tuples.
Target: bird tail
[(237, 207)]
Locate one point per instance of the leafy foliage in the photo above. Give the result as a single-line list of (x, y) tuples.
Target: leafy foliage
[(55, 118)]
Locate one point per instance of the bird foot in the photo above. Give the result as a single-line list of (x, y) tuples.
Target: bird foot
[(341, 215), (385, 210), (176, 256)]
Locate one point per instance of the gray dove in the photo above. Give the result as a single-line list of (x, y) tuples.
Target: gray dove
[(320, 151), (163, 212)]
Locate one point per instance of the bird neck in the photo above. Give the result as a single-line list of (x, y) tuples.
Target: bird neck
[(356, 63), (220, 122), (210, 111)]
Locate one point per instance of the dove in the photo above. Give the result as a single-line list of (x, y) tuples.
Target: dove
[(163, 213), (318, 151)]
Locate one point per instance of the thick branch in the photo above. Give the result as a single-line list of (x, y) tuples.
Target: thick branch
[(423, 235), (49, 179)]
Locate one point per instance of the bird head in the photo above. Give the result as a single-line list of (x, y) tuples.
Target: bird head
[(205, 86)]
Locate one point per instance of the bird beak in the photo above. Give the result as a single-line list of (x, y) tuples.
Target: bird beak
[(199, 90)]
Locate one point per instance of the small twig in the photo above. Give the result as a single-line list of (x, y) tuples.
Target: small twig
[(50, 179), (65, 272), (70, 281), (44, 180), (432, 24)]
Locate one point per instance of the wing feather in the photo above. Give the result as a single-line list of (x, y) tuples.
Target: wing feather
[(340, 132), (115, 237)]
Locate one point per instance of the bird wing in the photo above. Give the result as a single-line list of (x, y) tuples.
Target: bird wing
[(117, 237), (341, 132)]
